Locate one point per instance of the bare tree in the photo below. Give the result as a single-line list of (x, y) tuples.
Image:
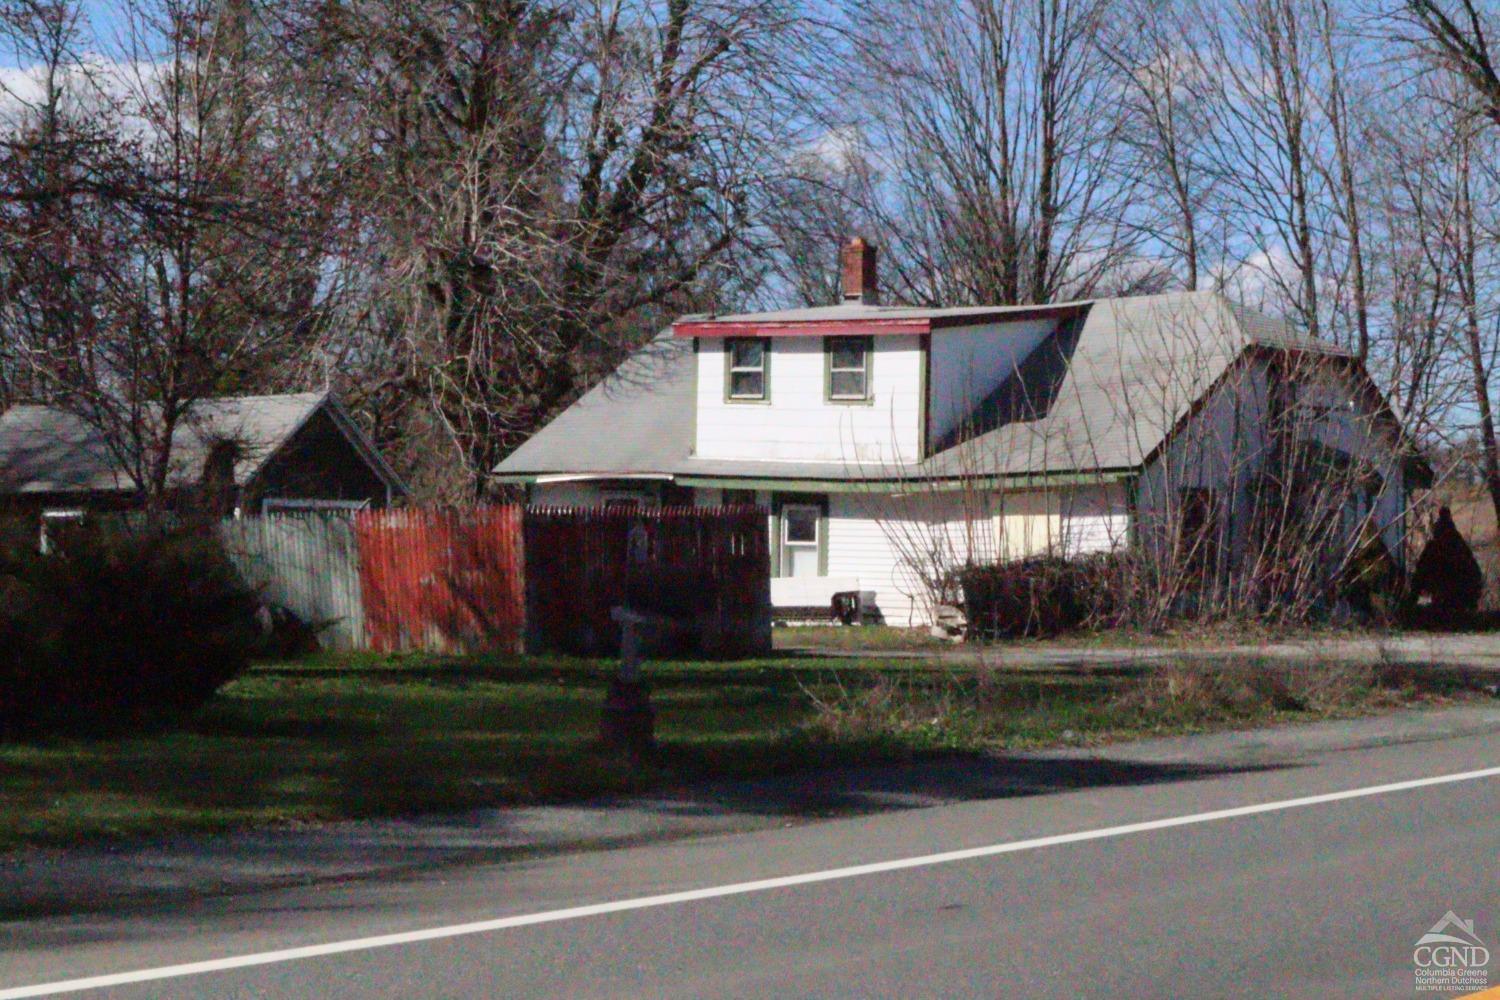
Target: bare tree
[(823, 200), (1344, 180), (1455, 35), (1263, 145), (1469, 245), (996, 130), (156, 253), (538, 185), (1156, 50)]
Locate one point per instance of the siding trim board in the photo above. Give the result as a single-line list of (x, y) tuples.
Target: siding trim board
[(924, 402), (1038, 480)]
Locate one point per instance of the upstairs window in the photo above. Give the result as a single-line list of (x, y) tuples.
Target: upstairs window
[(746, 357), (848, 369)]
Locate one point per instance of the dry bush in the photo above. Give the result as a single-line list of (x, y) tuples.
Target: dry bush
[(990, 706), (1243, 688), (919, 712), (1044, 595)]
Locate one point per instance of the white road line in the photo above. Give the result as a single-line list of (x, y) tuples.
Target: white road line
[(718, 891)]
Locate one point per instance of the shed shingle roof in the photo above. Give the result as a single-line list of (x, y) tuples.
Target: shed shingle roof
[(47, 450)]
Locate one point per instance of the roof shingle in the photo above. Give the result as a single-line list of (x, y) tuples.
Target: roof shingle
[(1136, 368), (48, 450)]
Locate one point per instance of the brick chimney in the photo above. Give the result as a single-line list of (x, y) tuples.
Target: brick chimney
[(860, 282)]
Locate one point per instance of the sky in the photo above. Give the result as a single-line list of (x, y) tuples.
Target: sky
[(105, 21), (105, 17)]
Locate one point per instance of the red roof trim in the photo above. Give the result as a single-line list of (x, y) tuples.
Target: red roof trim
[(804, 328), (842, 327)]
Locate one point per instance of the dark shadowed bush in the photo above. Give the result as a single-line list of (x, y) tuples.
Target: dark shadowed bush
[(117, 630), (1448, 576), (1041, 596)]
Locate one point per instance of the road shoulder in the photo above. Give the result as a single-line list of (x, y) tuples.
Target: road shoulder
[(43, 883)]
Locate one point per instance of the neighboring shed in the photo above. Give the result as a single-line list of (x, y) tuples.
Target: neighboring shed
[(242, 455)]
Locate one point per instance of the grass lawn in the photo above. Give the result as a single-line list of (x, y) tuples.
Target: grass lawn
[(865, 637), (868, 638), (358, 736), (343, 737)]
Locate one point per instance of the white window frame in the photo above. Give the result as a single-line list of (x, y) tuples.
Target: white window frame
[(787, 544)]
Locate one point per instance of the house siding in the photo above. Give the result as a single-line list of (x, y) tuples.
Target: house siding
[(865, 545), (797, 423), (568, 494), (598, 492), (1077, 521), (879, 540), (1225, 447), (1348, 426), (1222, 447)]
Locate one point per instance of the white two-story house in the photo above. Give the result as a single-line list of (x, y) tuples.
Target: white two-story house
[(890, 444)]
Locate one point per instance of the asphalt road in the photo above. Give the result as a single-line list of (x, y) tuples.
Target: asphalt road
[(1325, 899)]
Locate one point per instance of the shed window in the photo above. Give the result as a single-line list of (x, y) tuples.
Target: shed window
[(747, 367), (848, 368), (54, 524)]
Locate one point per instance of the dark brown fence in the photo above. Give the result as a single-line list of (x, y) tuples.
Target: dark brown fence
[(445, 581), (706, 569)]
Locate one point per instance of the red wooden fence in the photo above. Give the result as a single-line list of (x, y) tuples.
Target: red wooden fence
[(442, 580), (707, 568), (506, 579)]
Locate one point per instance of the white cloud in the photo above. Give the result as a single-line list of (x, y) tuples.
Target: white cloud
[(1260, 280), (110, 92)]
